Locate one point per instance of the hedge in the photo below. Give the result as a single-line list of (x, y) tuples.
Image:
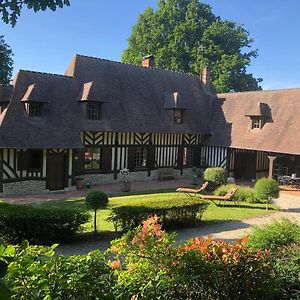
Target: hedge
[(172, 213), (39, 225), (215, 177), (266, 188)]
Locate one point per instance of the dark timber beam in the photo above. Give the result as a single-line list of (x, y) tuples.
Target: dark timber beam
[(271, 165)]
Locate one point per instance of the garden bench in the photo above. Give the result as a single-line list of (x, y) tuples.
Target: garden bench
[(164, 174)]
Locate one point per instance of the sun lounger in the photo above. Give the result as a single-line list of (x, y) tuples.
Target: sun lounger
[(228, 197), (193, 192)]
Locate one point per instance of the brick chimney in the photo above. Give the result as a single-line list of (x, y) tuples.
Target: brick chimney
[(205, 76), (148, 61)]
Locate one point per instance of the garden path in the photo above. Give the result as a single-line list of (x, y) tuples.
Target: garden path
[(289, 203)]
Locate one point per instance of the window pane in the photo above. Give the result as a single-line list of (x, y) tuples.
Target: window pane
[(177, 116), (187, 156), (140, 157), (92, 158), (34, 109), (93, 111)]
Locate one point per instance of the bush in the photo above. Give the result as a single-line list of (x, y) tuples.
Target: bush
[(243, 194), (265, 188), (275, 235), (215, 177), (172, 213), (38, 225), (36, 273), (96, 200)]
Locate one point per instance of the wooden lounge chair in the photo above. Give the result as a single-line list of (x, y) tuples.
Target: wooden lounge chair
[(193, 192), (228, 197)]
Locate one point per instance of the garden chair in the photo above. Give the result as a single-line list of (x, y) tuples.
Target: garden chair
[(228, 197), (193, 192)]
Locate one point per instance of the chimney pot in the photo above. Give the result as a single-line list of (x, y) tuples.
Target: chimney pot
[(148, 61), (205, 76)]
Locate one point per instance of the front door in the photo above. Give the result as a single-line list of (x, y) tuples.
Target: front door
[(245, 165), (56, 171)]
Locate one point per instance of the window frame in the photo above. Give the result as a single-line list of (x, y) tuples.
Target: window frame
[(34, 109), (177, 119), (27, 160), (96, 113), (94, 154), (187, 156), (142, 153), (256, 123)]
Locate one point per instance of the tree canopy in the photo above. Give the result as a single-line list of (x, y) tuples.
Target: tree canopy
[(185, 35), (11, 9), (6, 62)]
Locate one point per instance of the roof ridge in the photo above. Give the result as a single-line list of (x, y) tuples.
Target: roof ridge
[(260, 91), (45, 73), (135, 65)]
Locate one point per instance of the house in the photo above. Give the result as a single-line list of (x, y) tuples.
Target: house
[(102, 116)]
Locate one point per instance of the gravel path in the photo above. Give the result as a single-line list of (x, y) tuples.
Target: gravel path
[(229, 231)]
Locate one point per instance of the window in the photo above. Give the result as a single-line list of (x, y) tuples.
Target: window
[(177, 116), (93, 111), (187, 156), (140, 157), (256, 123), (34, 109), (92, 158), (30, 160)]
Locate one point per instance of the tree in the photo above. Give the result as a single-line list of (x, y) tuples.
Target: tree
[(184, 35), (6, 62), (11, 9), (96, 200)]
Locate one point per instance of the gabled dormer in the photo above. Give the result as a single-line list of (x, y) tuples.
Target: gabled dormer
[(174, 104), (91, 101), (34, 101), (259, 116)]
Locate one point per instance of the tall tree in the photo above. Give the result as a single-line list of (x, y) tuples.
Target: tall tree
[(184, 35), (6, 62), (10, 10)]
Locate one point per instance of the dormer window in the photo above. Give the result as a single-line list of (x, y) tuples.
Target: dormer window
[(256, 123), (177, 117), (93, 111), (34, 109)]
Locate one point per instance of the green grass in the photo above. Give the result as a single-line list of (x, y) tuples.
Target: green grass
[(227, 213)]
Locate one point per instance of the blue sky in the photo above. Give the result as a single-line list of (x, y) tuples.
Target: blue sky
[(47, 41)]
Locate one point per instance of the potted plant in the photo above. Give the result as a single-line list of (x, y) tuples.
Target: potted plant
[(125, 183), (79, 183)]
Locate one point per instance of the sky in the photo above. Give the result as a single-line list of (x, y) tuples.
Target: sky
[(47, 41)]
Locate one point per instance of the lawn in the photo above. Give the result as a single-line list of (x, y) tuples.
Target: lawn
[(213, 213)]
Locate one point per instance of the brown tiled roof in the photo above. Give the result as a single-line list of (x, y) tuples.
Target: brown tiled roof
[(133, 101), (231, 124), (5, 92)]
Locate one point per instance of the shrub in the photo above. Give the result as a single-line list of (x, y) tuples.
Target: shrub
[(96, 200), (275, 235), (38, 225), (36, 273), (243, 194), (172, 213), (265, 188), (287, 267), (215, 177)]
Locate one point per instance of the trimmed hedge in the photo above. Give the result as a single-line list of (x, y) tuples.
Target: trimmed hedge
[(265, 188), (215, 177), (243, 194), (38, 225), (172, 213)]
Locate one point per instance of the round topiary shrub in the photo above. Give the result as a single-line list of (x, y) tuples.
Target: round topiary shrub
[(265, 188), (96, 200), (215, 177)]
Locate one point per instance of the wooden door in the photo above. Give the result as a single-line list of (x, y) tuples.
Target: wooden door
[(56, 171), (245, 165)]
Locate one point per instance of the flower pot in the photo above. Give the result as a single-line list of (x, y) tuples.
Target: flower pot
[(125, 186), (79, 183)]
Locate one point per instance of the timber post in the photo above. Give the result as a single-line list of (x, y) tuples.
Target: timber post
[(271, 165)]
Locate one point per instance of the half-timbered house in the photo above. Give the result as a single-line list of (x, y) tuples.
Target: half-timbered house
[(102, 116)]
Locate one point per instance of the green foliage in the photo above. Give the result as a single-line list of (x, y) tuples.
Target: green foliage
[(275, 235), (288, 272), (265, 188), (243, 194), (175, 32), (215, 177), (11, 9), (36, 273), (38, 225), (96, 200), (6, 62), (180, 211)]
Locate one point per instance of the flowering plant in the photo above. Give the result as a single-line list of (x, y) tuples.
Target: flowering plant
[(124, 172)]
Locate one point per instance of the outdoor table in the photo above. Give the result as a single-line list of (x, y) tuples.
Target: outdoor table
[(295, 181)]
